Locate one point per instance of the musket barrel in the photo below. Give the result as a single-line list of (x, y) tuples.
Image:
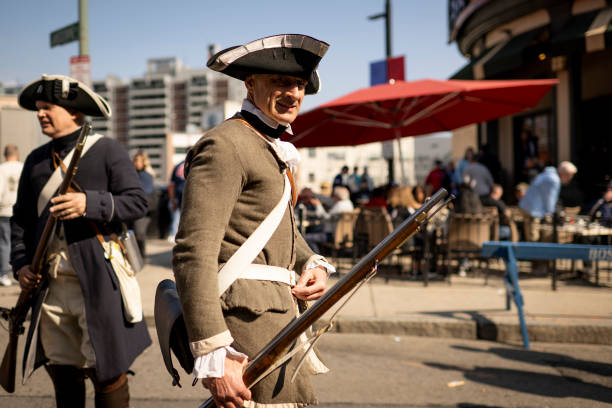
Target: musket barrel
[(18, 313)]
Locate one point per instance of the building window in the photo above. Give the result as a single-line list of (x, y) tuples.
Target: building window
[(158, 96), (199, 81), (336, 156), (312, 153), (534, 145)]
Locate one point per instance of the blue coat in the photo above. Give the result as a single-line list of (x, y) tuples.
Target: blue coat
[(114, 195)]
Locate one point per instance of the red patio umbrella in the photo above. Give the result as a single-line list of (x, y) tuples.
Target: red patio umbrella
[(398, 109)]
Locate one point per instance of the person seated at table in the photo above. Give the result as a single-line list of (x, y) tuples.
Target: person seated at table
[(418, 193), (570, 194), (342, 201), (378, 198), (363, 195), (602, 209), (314, 215), (519, 191), (494, 200), (401, 204)]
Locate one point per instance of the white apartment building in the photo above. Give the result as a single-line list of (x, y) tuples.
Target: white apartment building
[(150, 111), (114, 90), (172, 98)]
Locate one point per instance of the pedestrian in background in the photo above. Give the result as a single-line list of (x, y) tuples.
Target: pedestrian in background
[(10, 171), (354, 180), (463, 163), (342, 178), (366, 177), (448, 182), (175, 198), (434, 179), (480, 177), (146, 182), (78, 327), (468, 201)]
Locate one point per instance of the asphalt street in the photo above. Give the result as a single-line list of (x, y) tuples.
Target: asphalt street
[(369, 370)]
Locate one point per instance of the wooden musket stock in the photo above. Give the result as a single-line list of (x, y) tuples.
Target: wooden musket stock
[(277, 347), (16, 316)]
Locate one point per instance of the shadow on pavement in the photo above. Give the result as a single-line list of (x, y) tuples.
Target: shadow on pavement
[(486, 329), (163, 259), (558, 361), (542, 384)]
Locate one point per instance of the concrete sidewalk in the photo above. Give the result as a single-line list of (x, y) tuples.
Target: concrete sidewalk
[(466, 308)]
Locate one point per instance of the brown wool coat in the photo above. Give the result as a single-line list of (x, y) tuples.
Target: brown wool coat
[(233, 180)]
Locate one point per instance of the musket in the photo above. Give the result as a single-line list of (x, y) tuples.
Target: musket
[(277, 347), (17, 315)]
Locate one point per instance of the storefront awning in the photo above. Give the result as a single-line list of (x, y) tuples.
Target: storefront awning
[(504, 56), (586, 32)]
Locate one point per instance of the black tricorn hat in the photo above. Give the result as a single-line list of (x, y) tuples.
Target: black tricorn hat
[(65, 92), (288, 54)]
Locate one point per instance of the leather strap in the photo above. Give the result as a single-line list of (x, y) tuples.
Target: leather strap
[(288, 170)]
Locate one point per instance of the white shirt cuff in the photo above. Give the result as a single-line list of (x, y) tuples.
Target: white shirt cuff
[(319, 262), (213, 364)]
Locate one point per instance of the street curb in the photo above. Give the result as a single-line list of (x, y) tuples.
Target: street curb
[(403, 327), (480, 329)]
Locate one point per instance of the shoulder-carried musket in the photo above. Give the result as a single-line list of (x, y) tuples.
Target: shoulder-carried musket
[(17, 315), (172, 333)]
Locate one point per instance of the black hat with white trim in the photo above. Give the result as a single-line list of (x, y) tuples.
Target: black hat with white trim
[(65, 92), (286, 54)]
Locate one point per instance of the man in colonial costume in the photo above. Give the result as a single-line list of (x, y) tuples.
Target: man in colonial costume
[(237, 293), (77, 328)]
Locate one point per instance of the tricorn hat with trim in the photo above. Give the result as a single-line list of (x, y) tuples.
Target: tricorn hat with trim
[(65, 92), (287, 54)]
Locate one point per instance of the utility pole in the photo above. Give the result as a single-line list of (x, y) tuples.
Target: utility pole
[(83, 28), (387, 16)]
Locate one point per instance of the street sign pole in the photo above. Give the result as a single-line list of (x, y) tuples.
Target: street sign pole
[(83, 28)]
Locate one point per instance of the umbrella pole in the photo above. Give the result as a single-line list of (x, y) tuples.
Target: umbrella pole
[(401, 157)]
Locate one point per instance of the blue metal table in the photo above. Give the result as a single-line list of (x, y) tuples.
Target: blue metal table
[(510, 252)]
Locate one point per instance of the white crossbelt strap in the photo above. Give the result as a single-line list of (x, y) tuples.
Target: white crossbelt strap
[(240, 264), (58, 175)]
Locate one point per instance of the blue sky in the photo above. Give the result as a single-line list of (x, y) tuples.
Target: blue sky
[(125, 33)]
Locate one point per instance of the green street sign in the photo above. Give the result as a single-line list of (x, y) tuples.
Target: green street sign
[(65, 35)]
